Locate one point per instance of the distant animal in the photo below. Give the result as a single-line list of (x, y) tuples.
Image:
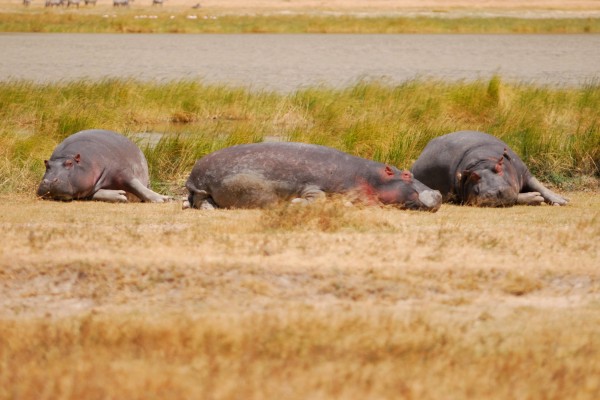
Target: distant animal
[(26, 3), (197, 5), (157, 2), (120, 3), (92, 2), (262, 174), (97, 165), (475, 168), (73, 2), (54, 3)]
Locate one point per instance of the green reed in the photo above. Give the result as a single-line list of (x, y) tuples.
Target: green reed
[(555, 130)]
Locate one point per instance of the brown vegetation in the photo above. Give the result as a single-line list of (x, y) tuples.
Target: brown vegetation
[(149, 301)]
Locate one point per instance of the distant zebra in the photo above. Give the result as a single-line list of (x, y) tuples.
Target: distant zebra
[(92, 2), (73, 2), (54, 3), (120, 3)]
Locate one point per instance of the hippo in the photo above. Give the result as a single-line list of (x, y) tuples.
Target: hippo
[(475, 168), (97, 165), (261, 174)]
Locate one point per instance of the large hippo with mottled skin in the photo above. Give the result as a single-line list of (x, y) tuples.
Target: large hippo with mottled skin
[(474, 168), (261, 174), (97, 165)]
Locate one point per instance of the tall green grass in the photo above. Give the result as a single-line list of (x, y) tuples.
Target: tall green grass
[(125, 21), (555, 130)]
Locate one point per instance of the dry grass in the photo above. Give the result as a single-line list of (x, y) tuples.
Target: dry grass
[(148, 301)]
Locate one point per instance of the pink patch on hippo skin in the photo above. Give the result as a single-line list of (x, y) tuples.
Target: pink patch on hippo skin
[(388, 196), (406, 176), (368, 191)]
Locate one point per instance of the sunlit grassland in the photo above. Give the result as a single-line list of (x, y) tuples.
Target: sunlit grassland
[(555, 130), (141, 301), (145, 301), (109, 20)]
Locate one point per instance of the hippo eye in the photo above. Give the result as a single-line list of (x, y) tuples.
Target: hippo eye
[(68, 163)]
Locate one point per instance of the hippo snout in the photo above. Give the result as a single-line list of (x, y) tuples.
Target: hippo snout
[(46, 186), (55, 188), (431, 199)]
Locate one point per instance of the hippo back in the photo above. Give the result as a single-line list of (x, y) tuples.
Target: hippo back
[(293, 163), (114, 153)]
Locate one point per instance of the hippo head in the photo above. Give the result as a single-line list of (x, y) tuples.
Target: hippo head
[(490, 183), (404, 191), (66, 178)]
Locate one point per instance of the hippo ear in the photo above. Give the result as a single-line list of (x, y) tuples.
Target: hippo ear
[(406, 176), (77, 158), (46, 163), (498, 168), (388, 171)]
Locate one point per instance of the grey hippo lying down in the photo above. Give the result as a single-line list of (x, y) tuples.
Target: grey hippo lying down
[(261, 174), (97, 165), (475, 168)]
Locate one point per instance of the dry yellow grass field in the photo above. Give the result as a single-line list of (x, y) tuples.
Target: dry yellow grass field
[(139, 301)]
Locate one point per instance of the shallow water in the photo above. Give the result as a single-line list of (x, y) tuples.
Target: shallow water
[(285, 62)]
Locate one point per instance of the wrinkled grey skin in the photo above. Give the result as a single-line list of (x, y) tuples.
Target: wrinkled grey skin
[(261, 174), (97, 165), (475, 168)]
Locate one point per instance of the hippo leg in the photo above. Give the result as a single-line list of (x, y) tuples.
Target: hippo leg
[(143, 193), (549, 196), (111, 196), (530, 199), (309, 194), (201, 200)]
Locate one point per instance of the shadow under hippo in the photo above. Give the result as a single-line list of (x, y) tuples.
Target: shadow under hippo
[(97, 165), (262, 174), (474, 168)]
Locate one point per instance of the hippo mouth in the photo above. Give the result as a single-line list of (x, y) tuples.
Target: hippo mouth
[(492, 200), (47, 195), (48, 191)]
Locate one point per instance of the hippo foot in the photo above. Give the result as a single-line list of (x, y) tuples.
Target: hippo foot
[(310, 194), (300, 201), (162, 199), (530, 199), (549, 196), (206, 204), (145, 194), (555, 200), (111, 196)]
